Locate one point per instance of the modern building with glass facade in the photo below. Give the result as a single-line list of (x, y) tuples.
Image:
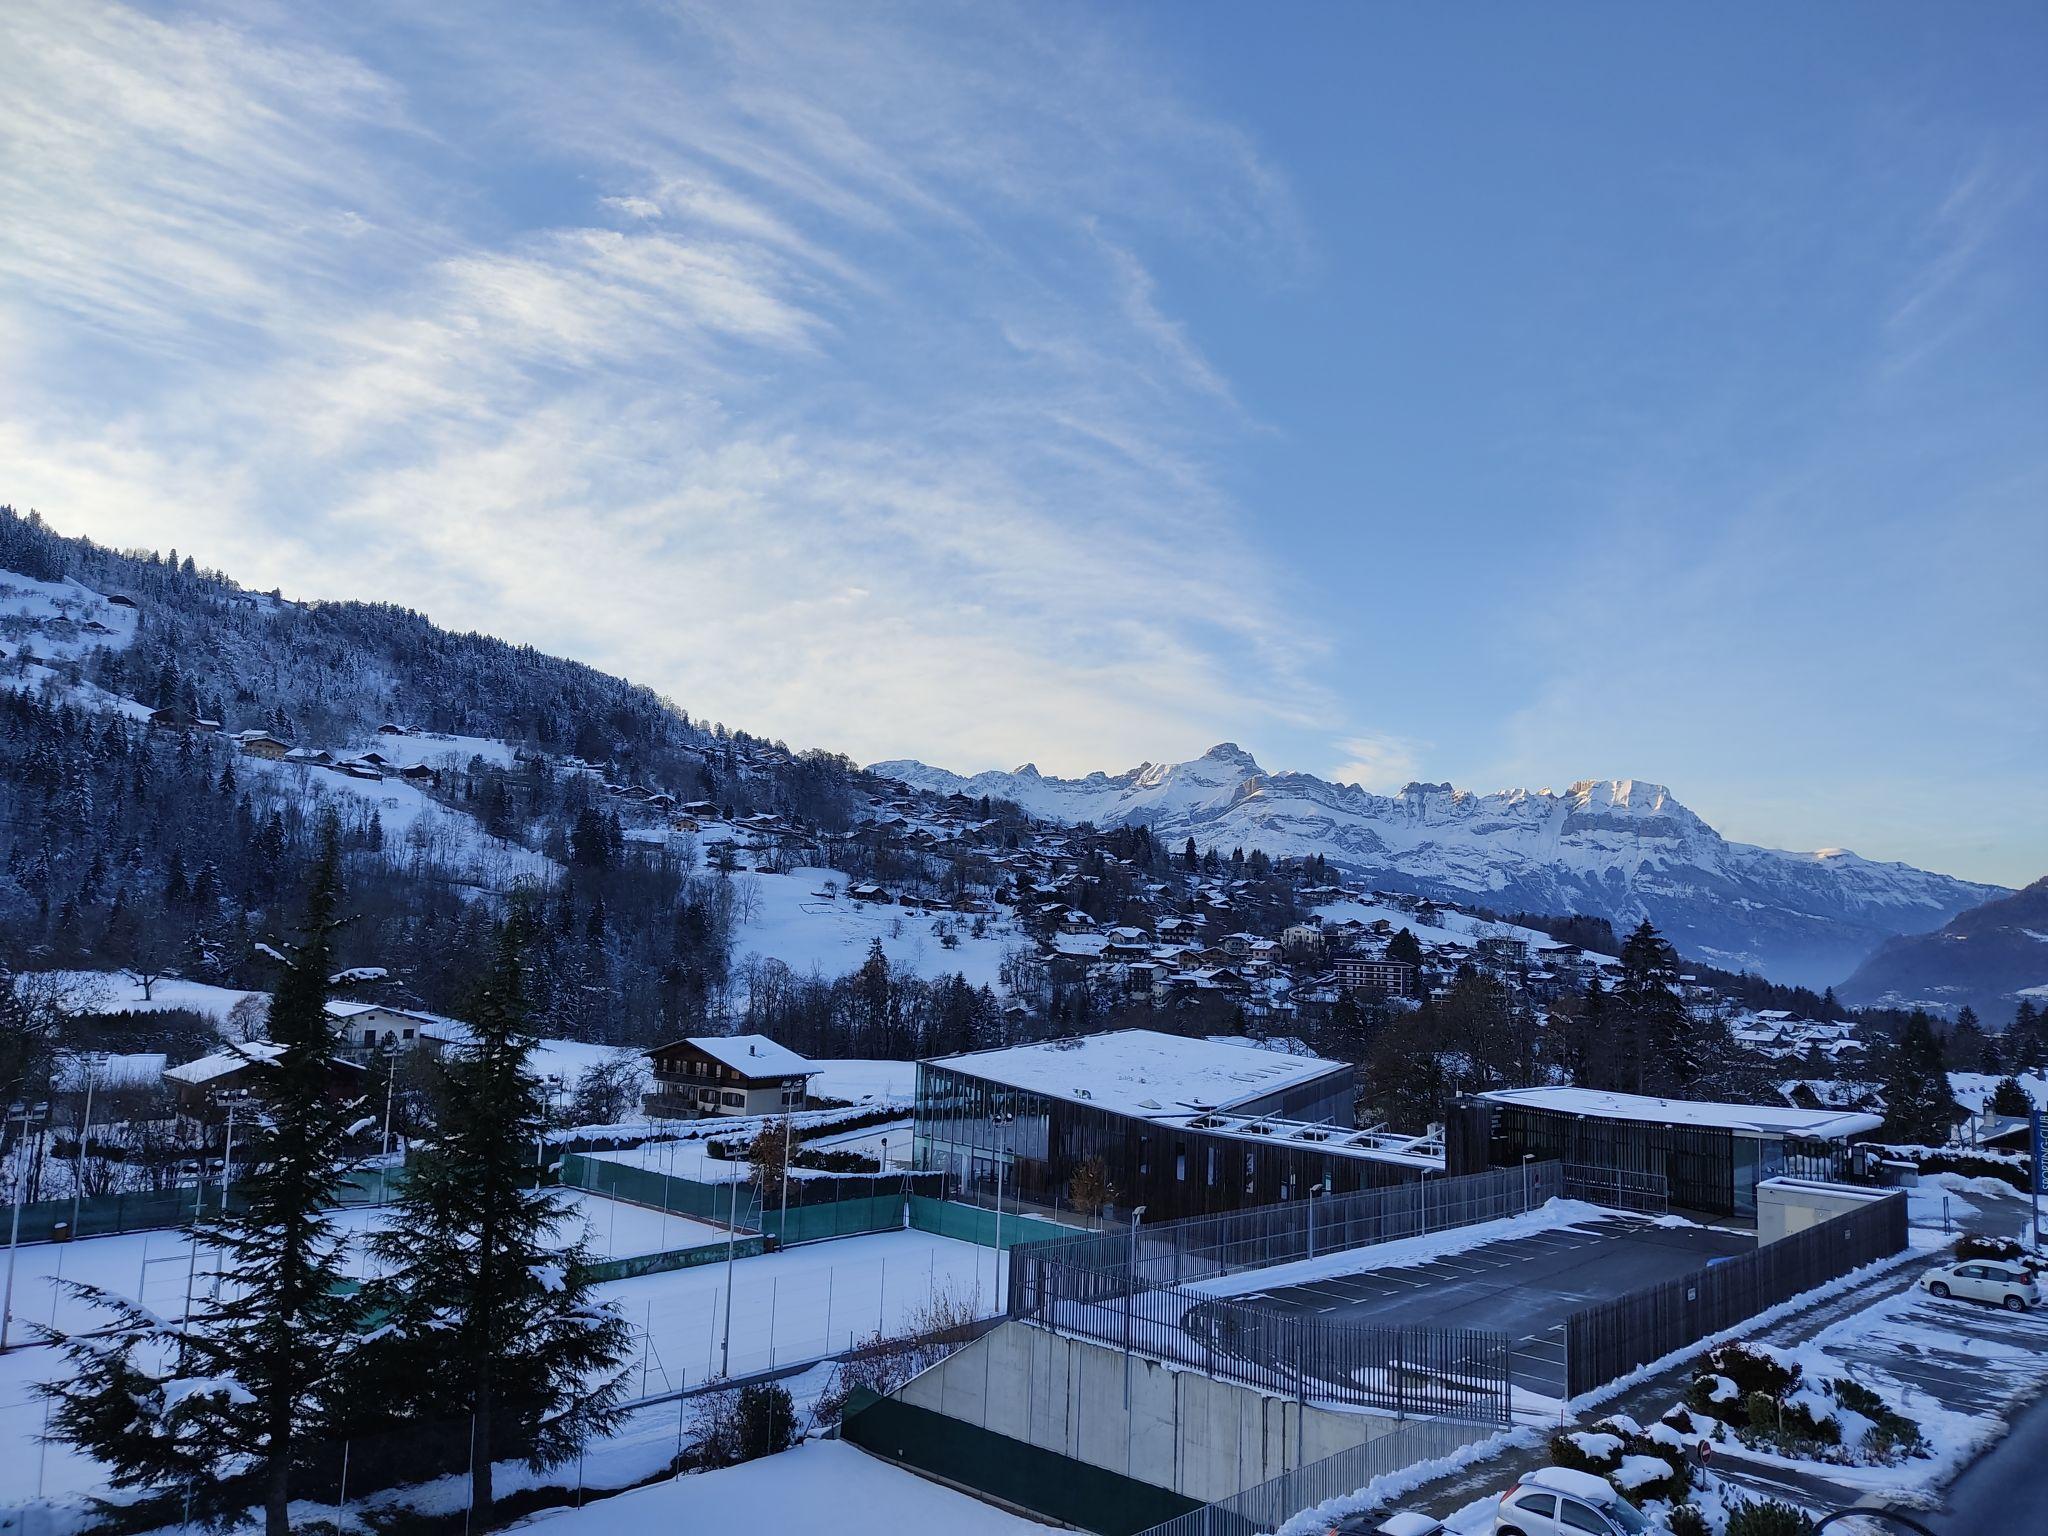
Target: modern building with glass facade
[(1182, 1127), (1712, 1156)]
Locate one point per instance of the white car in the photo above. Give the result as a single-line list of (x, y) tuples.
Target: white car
[(1556, 1501), (1992, 1280)]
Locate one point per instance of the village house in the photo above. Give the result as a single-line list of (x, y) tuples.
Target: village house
[(725, 1075), (262, 744)]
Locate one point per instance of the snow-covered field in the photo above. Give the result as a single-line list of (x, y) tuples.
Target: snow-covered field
[(55, 616), (415, 828), (807, 931), (435, 751), (869, 1081), (800, 1304), (118, 992), (797, 1305), (822, 1485)]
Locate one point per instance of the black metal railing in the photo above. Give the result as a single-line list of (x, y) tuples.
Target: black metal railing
[(1611, 1338)]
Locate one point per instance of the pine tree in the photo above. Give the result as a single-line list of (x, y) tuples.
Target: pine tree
[(1406, 947), (490, 1319), (1919, 1107), (2009, 1098), (226, 1407), (1656, 1045)]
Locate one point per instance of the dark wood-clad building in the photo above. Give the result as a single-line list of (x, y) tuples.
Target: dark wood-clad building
[(1711, 1155), (1183, 1127)]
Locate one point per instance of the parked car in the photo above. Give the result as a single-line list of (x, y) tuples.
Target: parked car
[(1556, 1501), (2005, 1285), (1402, 1522)]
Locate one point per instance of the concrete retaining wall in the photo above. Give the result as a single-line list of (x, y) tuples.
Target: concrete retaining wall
[(1200, 1437)]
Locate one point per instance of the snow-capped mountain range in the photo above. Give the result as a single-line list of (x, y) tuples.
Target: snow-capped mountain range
[(1619, 848)]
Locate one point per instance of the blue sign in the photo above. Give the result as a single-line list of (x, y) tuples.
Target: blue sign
[(2034, 1146)]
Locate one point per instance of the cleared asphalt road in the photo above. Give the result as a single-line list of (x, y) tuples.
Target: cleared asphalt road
[(1524, 1287)]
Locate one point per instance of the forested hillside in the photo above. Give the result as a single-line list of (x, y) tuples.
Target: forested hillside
[(126, 844)]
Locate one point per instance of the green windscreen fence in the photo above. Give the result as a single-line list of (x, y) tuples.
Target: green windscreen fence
[(1026, 1476), (817, 1208), (972, 1224), (105, 1215)]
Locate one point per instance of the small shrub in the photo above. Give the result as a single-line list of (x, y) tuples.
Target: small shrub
[(1767, 1517), (1623, 1438), (1798, 1423), (1762, 1409), (1686, 1520), (766, 1420), (1894, 1438), (1752, 1369), (1857, 1398)]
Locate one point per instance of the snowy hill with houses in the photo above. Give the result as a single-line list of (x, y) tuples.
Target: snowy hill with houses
[(1622, 849)]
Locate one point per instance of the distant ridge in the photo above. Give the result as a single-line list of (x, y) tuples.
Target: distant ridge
[(1623, 849)]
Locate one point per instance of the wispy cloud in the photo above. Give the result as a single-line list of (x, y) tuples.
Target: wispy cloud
[(1379, 761), (804, 362)]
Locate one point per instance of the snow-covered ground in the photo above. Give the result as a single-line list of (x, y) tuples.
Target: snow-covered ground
[(792, 921), (801, 1304), (415, 828), (53, 618), (157, 1267), (869, 1081), (118, 992), (821, 1485), (434, 750)]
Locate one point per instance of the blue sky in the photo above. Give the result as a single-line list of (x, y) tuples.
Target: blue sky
[(1507, 395)]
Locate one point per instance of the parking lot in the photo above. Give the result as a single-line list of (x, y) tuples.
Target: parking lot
[(1522, 1286)]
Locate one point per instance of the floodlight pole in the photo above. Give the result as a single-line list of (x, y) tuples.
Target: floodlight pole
[(788, 1130), (731, 1238), (20, 1181), (78, 1164)]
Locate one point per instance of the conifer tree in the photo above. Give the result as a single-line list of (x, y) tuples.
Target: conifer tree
[(2009, 1098), (1920, 1109), (227, 1404), (489, 1316), (1656, 1044)]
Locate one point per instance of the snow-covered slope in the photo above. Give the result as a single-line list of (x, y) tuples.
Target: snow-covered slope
[(1620, 848)]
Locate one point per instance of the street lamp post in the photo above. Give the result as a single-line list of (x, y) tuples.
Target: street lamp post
[(1527, 1158), (1313, 1191), (28, 1114)]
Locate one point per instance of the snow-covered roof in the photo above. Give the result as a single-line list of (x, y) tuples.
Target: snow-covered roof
[(1761, 1119), (1143, 1072), (753, 1055), (221, 1063)]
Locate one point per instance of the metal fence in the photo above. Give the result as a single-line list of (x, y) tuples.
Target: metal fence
[(824, 1206), (146, 1210), (1612, 1338), (1204, 1247), (1134, 1290), (1619, 1189), (1269, 1505)]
